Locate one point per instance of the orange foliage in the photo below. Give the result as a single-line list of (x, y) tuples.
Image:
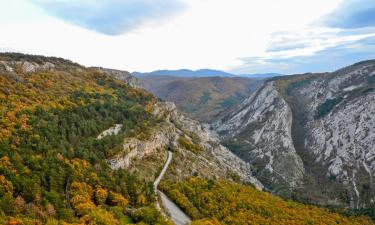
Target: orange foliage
[(13, 221), (118, 199)]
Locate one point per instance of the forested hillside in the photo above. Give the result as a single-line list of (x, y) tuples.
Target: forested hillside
[(221, 202), (52, 166)]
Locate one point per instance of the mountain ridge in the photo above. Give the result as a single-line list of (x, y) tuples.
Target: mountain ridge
[(202, 73), (326, 116)]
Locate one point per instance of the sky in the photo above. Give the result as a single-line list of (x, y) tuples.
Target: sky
[(237, 36)]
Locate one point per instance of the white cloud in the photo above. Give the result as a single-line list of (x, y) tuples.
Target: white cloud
[(208, 34), (111, 17)]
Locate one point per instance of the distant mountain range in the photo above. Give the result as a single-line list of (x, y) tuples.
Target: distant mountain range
[(202, 73), (261, 75)]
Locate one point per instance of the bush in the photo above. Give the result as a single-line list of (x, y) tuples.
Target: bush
[(188, 145), (325, 108)]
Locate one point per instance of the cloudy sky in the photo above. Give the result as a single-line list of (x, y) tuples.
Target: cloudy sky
[(239, 36)]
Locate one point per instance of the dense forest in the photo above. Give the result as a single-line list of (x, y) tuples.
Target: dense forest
[(53, 169), (215, 202)]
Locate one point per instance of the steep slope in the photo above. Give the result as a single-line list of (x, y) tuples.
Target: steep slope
[(260, 133), (196, 150), (319, 127), (80, 145), (201, 98)]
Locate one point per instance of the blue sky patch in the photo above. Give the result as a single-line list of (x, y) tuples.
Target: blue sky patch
[(353, 14)]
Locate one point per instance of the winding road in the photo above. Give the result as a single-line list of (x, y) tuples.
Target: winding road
[(173, 211)]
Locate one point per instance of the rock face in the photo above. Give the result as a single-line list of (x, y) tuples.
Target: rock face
[(111, 131), (121, 75), (313, 134), (26, 67), (212, 160), (262, 128)]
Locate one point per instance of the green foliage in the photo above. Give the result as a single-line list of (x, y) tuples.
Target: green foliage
[(205, 97), (325, 108), (228, 102), (150, 215), (371, 79)]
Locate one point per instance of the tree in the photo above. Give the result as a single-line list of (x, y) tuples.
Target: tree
[(117, 199), (6, 187), (101, 195), (100, 217), (141, 200)]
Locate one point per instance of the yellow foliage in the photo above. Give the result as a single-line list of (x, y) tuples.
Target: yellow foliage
[(5, 163), (6, 187), (149, 108), (52, 222), (81, 188), (81, 200), (100, 217), (84, 208), (119, 200), (206, 222), (188, 145), (101, 195), (231, 203), (141, 200)]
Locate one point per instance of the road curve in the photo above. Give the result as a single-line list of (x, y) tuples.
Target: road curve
[(173, 211)]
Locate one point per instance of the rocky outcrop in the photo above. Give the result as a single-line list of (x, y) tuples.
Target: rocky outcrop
[(111, 131), (121, 75), (214, 160), (312, 134), (135, 148), (26, 67)]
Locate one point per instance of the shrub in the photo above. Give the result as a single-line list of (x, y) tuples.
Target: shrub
[(325, 108)]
